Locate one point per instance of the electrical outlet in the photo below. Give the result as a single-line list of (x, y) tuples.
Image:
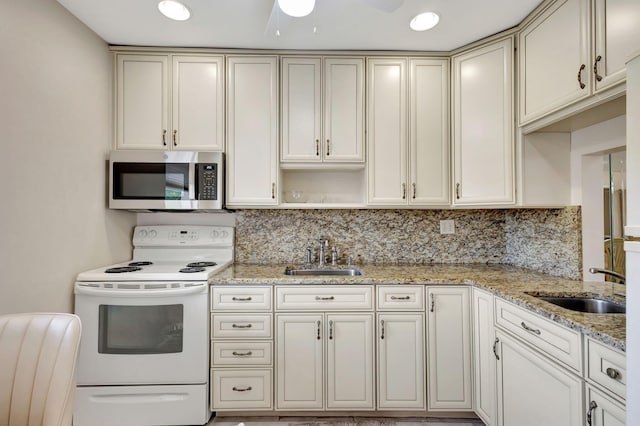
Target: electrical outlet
[(447, 227)]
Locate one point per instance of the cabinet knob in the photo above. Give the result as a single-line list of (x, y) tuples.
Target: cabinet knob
[(613, 373)]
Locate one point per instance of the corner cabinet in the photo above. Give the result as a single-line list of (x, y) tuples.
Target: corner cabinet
[(408, 136), (484, 357), (483, 127), (170, 102), (252, 131), (322, 110)]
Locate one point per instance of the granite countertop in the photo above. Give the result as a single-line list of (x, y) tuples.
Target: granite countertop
[(509, 282)]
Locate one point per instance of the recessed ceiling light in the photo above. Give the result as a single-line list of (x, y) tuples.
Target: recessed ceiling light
[(424, 21), (297, 8), (174, 10)]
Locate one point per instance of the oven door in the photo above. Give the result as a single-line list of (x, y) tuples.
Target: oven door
[(151, 336)]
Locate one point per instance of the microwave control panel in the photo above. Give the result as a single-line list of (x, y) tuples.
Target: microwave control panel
[(207, 181)]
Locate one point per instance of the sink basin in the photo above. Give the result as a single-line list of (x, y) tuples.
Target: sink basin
[(586, 304), (324, 271)]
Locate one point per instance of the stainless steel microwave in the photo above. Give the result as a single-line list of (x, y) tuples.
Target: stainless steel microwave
[(171, 180)]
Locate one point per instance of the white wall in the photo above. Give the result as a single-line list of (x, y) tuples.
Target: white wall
[(588, 146), (55, 133)]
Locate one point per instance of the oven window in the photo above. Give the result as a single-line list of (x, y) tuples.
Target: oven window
[(140, 329), (151, 181)]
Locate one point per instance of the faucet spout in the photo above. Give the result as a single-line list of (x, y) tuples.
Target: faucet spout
[(620, 277)]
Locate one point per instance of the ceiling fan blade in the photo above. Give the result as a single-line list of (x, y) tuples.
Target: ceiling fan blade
[(383, 5)]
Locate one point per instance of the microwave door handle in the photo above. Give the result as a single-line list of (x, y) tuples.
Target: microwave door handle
[(192, 181), (95, 291)]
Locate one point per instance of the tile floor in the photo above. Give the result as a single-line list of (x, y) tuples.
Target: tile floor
[(340, 421)]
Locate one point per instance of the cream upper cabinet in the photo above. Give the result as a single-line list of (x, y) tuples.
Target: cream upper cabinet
[(198, 103), (177, 108), (429, 132), (448, 349), (142, 98), (555, 69), (408, 138), (617, 37), (252, 130), (483, 127), (322, 110)]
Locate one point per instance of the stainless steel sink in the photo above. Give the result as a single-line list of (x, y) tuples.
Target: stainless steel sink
[(324, 271), (586, 304)]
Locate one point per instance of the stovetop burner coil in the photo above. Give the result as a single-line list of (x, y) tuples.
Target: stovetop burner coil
[(200, 264), (141, 263), (191, 270), (121, 269)]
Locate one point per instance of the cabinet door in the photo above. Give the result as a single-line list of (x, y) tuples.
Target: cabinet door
[(483, 125), (301, 109), (387, 131), (449, 349), (429, 131), (198, 103), (401, 369), (142, 102), (349, 361), (604, 411), (484, 392), (554, 51), (252, 130), (617, 37), (299, 361), (343, 110), (534, 391)]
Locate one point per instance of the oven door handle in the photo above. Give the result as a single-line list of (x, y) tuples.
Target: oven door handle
[(96, 291)]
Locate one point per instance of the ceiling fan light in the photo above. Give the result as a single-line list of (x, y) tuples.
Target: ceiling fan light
[(297, 8), (174, 10), (424, 21)]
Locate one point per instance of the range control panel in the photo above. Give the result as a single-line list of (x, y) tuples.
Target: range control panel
[(176, 235)]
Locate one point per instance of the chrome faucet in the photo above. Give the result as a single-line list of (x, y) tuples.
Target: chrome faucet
[(620, 277), (324, 244)]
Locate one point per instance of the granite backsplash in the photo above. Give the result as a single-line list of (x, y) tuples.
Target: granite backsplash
[(545, 240)]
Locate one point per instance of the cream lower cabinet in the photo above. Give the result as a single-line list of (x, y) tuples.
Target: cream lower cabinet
[(602, 410), (448, 349), (252, 131), (401, 361), (484, 358), (317, 348), (534, 391)]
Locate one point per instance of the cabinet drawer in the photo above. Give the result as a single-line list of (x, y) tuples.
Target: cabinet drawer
[(242, 326), (325, 298), (240, 389), (559, 342), (607, 367), (400, 298), (240, 353), (240, 298)]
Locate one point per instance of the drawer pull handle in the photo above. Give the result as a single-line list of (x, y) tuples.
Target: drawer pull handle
[(325, 298), (495, 348), (595, 68), (242, 353), (400, 297), (235, 389), (592, 406), (582, 85), (241, 325), (241, 299), (613, 373), (533, 330), (382, 329)]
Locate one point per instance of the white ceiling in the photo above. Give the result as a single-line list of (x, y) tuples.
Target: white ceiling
[(340, 24)]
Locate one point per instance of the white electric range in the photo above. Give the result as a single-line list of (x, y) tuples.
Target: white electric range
[(144, 352)]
